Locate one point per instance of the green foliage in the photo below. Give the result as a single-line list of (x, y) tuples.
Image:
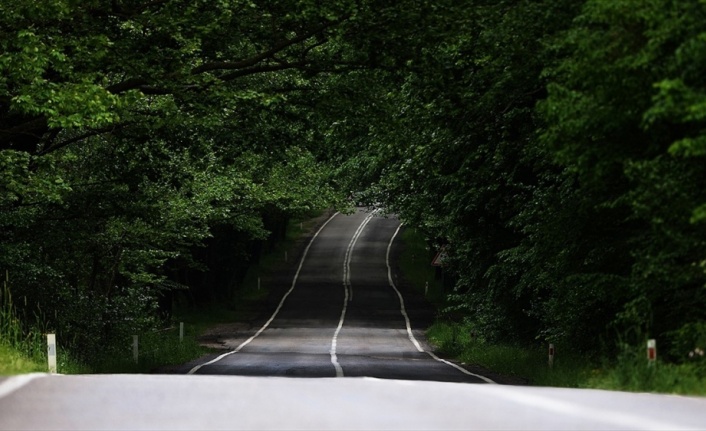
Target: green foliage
[(23, 344), (688, 345), (13, 361), (527, 364), (415, 263), (631, 372), (146, 148), (555, 148), (155, 349)]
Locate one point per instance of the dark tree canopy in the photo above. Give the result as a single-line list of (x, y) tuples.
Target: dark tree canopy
[(555, 147)]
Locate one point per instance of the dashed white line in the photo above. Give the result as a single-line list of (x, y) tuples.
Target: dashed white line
[(403, 310), (281, 303)]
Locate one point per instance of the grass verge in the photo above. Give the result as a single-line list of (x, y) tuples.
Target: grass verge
[(163, 348), (24, 351), (12, 361), (154, 349), (528, 364), (629, 372)]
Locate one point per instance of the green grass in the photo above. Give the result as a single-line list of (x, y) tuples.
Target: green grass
[(530, 364), (12, 361), (20, 350), (24, 351), (155, 349), (163, 348), (629, 372)]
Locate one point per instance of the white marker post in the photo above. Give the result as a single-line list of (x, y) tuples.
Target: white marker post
[(135, 348), (285, 256), (651, 352), (181, 331), (51, 352), (551, 355), (258, 283), (426, 288)]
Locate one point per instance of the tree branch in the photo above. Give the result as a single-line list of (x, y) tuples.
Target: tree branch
[(67, 142), (278, 47)]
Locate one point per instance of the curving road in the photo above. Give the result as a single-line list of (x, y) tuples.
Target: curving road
[(339, 316), (343, 315)]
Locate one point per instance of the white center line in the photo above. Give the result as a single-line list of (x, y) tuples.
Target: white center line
[(281, 302), (348, 292)]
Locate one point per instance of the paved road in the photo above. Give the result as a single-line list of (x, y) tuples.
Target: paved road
[(182, 402), (341, 317), (344, 315)]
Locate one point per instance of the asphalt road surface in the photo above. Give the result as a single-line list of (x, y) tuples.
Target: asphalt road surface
[(343, 316), (344, 319)]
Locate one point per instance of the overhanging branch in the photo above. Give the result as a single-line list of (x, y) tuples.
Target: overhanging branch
[(270, 53)]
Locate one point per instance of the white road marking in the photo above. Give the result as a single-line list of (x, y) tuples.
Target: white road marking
[(403, 310), (279, 307), (347, 260), (348, 293), (17, 382)]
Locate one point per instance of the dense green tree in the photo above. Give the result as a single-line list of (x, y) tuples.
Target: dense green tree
[(643, 264), (131, 133), (554, 147)]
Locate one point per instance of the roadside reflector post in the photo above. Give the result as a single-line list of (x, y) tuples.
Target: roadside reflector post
[(258, 283), (285, 256), (51, 353), (551, 355), (135, 348), (426, 288), (181, 331), (651, 352)]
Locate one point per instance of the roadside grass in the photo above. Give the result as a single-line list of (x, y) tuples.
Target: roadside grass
[(628, 372), (24, 351), (155, 349), (163, 348), (631, 372), (527, 363), (12, 361)]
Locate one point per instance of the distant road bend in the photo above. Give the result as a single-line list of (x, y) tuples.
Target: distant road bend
[(343, 315)]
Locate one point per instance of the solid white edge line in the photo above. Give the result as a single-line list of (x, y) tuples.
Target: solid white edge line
[(281, 302), (410, 335), (15, 383), (346, 296)]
